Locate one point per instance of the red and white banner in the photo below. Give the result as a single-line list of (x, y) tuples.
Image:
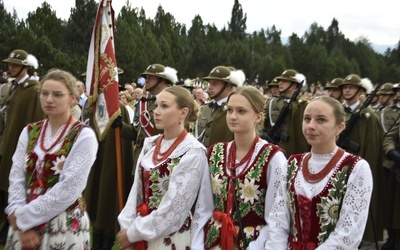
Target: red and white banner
[(102, 71)]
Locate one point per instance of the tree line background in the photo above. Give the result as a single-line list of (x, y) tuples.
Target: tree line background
[(139, 41)]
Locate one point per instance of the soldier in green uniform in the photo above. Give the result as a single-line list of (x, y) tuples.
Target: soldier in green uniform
[(274, 87), (333, 89), (291, 136), (389, 117), (367, 135), (385, 98), (21, 106), (274, 91), (391, 146), (396, 89), (158, 77), (211, 124)]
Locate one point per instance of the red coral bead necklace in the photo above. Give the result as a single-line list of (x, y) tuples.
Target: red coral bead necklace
[(58, 138), (314, 178), (159, 156)]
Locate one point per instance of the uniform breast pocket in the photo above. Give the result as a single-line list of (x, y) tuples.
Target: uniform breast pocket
[(202, 123), (274, 114)]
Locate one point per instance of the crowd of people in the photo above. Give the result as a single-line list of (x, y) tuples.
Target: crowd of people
[(207, 163)]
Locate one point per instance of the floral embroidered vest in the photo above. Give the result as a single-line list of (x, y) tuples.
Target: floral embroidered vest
[(155, 185), (52, 163), (250, 189), (320, 214)]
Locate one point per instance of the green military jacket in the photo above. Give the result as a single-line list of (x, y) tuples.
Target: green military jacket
[(389, 118), (292, 125), (23, 107), (101, 193), (368, 133), (392, 139), (212, 127), (4, 92)]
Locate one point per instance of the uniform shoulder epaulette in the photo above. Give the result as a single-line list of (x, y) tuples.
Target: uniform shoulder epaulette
[(29, 82)]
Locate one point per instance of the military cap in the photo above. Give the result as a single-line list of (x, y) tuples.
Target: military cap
[(293, 76), (274, 82), (334, 84), (351, 79), (386, 89), (161, 71), (355, 80), (288, 75), (224, 73), (21, 57)]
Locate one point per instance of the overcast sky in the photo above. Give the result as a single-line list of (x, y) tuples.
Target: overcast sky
[(379, 21)]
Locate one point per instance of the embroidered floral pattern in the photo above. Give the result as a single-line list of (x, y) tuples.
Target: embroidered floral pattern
[(217, 184), (159, 183), (328, 209), (251, 190), (58, 164), (50, 169), (327, 202)]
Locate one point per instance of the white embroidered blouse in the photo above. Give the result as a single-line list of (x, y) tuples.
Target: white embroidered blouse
[(205, 204), (72, 180), (353, 215), (182, 191)]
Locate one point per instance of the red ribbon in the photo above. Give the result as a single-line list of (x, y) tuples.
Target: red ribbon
[(36, 184), (228, 230), (143, 209)]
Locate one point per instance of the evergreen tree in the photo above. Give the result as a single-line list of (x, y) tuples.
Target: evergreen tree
[(237, 26)]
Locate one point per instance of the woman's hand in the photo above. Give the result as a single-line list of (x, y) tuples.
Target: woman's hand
[(123, 242), (13, 221), (30, 239)]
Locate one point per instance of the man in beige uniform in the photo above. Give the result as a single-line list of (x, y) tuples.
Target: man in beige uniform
[(211, 124)]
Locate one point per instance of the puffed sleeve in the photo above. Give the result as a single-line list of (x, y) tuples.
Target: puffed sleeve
[(353, 216), (278, 219), (203, 212), (17, 189)]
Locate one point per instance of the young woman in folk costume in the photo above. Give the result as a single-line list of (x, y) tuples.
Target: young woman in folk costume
[(167, 179), (246, 172), (49, 172), (324, 204)]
